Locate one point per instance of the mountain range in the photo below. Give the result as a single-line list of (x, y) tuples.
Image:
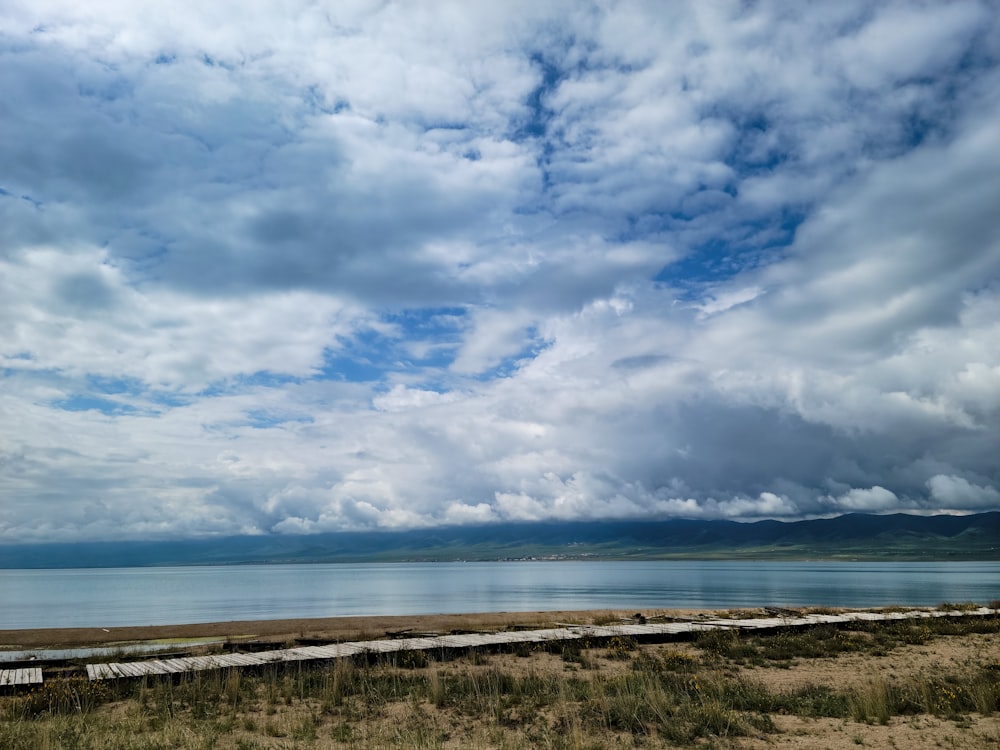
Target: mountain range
[(848, 537)]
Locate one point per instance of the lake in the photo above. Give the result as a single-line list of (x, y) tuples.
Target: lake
[(107, 597)]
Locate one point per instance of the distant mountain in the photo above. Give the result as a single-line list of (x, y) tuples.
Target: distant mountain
[(853, 536)]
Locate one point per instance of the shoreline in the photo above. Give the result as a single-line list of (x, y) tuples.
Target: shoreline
[(372, 627), (329, 628)]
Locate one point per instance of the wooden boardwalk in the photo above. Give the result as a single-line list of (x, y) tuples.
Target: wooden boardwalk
[(447, 643), (20, 677)]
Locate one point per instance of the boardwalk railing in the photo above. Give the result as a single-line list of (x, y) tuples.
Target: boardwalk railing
[(447, 643)]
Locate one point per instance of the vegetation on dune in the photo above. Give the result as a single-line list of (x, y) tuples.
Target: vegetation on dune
[(616, 694)]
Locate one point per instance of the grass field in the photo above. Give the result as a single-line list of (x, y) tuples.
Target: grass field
[(932, 683)]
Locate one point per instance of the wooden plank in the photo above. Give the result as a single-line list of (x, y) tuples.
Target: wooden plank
[(125, 670), (475, 640), (20, 676), (187, 663), (289, 655), (95, 671), (215, 661), (114, 671), (138, 669), (468, 640), (26, 676), (155, 666), (239, 660), (173, 666), (636, 630), (252, 660), (420, 644), (336, 650), (285, 656), (119, 669), (165, 667), (499, 639), (23, 676), (382, 647), (348, 649)]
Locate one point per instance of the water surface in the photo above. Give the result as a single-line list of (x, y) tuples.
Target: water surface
[(111, 597)]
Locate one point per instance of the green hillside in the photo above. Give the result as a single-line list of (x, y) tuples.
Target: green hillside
[(848, 537)]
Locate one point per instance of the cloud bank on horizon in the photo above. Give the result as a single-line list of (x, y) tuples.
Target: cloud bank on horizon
[(294, 267)]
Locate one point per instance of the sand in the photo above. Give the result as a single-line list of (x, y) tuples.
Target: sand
[(329, 628)]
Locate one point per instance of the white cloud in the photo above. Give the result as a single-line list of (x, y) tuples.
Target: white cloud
[(75, 313), (905, 42), (873, 499), (290, 269), (728, 299), (460, 513), (961, 494), (494, 336)]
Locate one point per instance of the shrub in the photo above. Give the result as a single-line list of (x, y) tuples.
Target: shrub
[(872, 702), (665, 661), (73, 695), (958, 606), (621, 647)]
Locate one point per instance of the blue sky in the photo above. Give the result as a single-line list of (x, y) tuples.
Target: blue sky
[(298, 267)]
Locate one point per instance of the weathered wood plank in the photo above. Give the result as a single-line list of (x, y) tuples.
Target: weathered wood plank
[(475, 640), (382, 647), (156, 666), (467, 640), (97, 671), (185, 663), (21, 676), (119, 670), (173, 666), (421, 644), (239, 660), (310, 652), (138, 669)]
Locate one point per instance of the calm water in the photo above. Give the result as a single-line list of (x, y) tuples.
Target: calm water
[(153, 596)]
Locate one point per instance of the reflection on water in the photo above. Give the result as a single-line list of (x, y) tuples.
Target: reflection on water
[(155, 596)]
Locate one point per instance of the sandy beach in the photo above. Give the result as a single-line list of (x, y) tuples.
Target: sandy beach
[(328, 628)]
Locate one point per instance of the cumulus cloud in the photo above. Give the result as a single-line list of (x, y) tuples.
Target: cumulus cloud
[(960, 492), (868, 500), (290, 269)]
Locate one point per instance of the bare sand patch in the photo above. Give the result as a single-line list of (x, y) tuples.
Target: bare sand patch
[(901, 733), (949, 654), (329, 628)]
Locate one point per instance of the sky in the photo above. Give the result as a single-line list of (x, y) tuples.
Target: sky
[(296, 267)]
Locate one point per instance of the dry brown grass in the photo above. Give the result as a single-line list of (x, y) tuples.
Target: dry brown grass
[(938, 687)]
